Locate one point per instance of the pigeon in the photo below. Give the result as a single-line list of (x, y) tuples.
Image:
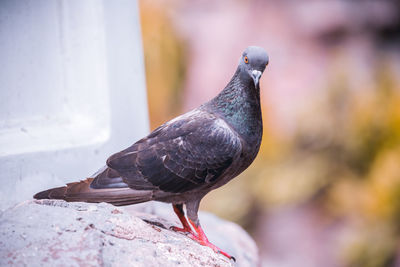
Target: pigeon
[(186, 157)]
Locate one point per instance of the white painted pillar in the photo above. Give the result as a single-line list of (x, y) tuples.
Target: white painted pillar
[(72, 90)]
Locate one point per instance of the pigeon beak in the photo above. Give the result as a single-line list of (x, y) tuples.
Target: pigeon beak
[(256, 74)]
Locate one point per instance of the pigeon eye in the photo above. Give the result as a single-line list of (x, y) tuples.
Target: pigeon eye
[(246, 60)]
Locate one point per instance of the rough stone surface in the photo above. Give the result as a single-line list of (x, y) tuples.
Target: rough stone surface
[(58, 233)]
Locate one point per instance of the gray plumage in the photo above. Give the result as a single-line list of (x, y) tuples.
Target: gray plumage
[(187, 157)]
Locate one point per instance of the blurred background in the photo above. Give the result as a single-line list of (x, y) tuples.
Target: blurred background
[(325, 188)]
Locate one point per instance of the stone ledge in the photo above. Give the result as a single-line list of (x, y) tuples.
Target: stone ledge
[(58, 233)]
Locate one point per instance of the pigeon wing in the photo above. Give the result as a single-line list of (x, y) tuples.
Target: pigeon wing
[(186, 153)]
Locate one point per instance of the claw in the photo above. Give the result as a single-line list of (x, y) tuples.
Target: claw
[(182, 230)]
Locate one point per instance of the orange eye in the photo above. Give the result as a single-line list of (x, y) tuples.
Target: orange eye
[(246, 60)]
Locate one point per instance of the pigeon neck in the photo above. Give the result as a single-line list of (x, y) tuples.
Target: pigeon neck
[(239, 105)]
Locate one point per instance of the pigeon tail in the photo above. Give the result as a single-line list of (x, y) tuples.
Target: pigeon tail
[(81, 192)]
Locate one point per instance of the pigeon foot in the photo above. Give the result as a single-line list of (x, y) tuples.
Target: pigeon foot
[(181, 215), (202, 239), (210, 245)]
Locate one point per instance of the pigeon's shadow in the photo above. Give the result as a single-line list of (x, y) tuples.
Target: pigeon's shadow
[(155, 223)]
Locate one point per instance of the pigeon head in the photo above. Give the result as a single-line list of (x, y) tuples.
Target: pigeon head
[(253, 62)]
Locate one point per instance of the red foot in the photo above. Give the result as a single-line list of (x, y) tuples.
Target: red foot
[(200, 237), (210, 245), (186, 227)]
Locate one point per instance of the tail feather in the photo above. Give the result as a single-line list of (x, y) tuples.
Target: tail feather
[(82, 192)]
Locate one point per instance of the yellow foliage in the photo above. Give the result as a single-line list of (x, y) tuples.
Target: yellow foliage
[(384, 186), (164, 62)]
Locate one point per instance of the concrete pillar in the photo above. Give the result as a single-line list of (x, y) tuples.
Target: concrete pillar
[(72, 90)]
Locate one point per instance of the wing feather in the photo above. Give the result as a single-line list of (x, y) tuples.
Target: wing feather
[(187, 152)]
